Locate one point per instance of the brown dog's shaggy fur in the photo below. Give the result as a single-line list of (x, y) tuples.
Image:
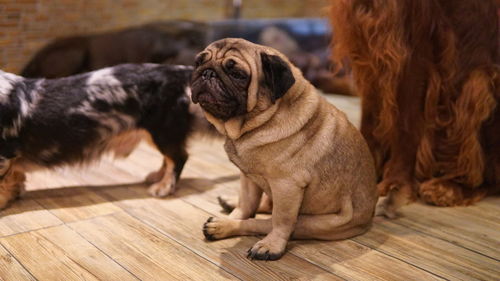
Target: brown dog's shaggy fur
[(428, 75)]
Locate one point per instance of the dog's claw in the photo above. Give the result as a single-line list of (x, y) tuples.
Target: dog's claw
[(207, 235), (266, 256), (254, 254), (251, 255)]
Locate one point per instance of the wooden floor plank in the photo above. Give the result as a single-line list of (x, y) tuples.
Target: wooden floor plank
[(431, 254), (208, 191), (183, 223), (117, 231), (71, 200), (486, 211), (452, 225), (25, 215), (123, 183), (353, 261), (75, 203), (145, 252), (347, 259), (194, 181), (11, 269), (58, 253)]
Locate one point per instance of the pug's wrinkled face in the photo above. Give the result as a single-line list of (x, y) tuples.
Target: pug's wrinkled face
[(220, 84), (231, 74)]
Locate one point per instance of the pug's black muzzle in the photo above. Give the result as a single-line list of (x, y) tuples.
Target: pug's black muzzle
[(209, 91)]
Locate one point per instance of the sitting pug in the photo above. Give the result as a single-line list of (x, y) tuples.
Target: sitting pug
[(289, 143)]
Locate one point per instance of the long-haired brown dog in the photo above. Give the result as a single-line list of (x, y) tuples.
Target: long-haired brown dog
[(428, 75)]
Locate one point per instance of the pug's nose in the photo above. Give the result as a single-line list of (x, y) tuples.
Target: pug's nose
[(208, 74)]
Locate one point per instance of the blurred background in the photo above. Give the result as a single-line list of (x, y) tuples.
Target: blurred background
[(27, 25), (57, 38)]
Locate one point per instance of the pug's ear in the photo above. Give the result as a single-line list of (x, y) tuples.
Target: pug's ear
[(278, 76)]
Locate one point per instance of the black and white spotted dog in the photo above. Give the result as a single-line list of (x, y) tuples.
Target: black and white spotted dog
[(46, 123)]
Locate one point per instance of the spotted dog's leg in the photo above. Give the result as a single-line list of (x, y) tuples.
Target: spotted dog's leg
[(157, 176), (11, 182), (163, 182)]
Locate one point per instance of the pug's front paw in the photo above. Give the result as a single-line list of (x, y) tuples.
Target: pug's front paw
[(218, 228), (270, 248)]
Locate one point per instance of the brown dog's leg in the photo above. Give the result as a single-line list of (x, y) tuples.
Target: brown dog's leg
[(369, 115), (468, 149), (446, 193), (398, 181), (249, 199), (395, 199)]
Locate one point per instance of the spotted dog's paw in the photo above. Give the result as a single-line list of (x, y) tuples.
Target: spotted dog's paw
[(154, 177), (164, 187)]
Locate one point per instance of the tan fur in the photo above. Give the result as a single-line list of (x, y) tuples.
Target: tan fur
[(123, 144), (303, 153)]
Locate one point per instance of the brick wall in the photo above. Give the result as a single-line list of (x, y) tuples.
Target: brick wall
[(27, 25)]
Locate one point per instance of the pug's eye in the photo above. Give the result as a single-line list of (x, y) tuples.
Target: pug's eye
[(238, 75), (230, 64)]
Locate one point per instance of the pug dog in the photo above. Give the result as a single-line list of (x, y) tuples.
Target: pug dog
[(292, 145)]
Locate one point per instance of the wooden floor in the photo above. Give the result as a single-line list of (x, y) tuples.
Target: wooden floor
[(100, 224)]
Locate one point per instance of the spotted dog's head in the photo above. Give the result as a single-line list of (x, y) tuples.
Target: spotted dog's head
[(233, 76)]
